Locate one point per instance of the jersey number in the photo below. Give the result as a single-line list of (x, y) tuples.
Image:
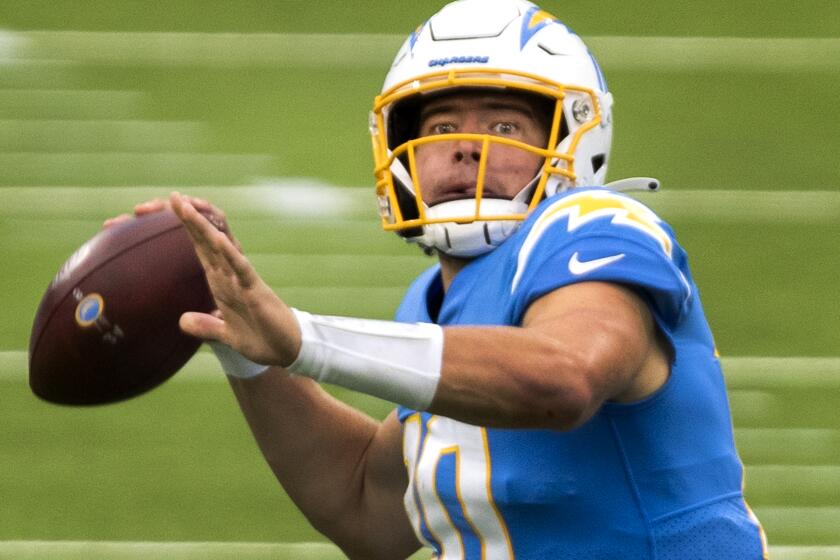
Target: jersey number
[(449, 497)]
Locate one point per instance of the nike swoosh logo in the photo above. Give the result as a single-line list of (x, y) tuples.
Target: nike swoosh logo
[(578, 267)]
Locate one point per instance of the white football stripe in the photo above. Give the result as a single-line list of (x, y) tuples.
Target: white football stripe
[(313, 198), (257, 550), (355, 50), (742, 372)]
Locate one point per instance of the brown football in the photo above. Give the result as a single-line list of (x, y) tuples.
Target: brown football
[(107, 327)]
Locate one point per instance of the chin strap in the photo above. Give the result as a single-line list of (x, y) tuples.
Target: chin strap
[(647, 184), (473, 238)]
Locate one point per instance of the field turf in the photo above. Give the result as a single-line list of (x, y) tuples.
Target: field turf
[(745, 143)]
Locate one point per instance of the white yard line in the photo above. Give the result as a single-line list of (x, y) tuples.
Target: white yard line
[(42, 549), (311, 198), (39, 549), (352, 50), (754, 372), (286, 197), (741, 372)]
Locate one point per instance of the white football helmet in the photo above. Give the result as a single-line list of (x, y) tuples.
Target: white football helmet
[(503, 45)]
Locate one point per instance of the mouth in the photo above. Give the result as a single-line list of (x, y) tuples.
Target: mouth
[(460, 192)]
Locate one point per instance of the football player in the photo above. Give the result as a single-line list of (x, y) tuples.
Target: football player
[(559, 391)]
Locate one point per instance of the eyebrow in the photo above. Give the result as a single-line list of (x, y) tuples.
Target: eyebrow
[(492, 104)]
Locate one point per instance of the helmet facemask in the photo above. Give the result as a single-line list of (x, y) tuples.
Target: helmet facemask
[(473, 223)]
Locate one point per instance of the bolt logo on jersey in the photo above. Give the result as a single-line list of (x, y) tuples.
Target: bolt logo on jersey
[(582, 208)]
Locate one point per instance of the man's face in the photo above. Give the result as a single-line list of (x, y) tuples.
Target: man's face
[(448, 170)]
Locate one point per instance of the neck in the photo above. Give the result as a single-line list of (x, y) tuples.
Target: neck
[(449, 267)]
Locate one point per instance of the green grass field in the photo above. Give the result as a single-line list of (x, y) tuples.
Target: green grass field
[(737, 118)]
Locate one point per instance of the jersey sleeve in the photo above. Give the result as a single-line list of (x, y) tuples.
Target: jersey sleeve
[(606, 237)]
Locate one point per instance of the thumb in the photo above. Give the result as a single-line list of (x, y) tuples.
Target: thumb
[(202, 325)]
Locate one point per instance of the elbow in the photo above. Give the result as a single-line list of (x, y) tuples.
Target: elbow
[(328, 525), (565, 411), (561, 395), (354, 546)]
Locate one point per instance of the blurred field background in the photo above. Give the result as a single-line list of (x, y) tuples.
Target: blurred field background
[(262, 107)]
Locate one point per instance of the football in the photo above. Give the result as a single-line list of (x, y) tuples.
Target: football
[(107, 327)]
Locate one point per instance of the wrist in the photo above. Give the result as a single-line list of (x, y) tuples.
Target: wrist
[(235, 364), (398, 362)]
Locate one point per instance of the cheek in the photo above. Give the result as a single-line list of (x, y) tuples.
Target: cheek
[(425, 163), (433, 160), (431, 166), (513, 162), (428, 157)]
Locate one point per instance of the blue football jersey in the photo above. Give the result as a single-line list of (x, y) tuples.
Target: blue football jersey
[(655, 479)]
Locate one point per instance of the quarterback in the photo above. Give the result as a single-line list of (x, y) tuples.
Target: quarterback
[(558, 391)]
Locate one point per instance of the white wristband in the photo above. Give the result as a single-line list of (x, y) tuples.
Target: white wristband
[(235, 364), (398, 362)]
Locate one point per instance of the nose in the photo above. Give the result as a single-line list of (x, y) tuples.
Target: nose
[(466, 150)]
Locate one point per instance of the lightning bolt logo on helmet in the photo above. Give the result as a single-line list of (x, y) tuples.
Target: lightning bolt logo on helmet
[(533, 21)]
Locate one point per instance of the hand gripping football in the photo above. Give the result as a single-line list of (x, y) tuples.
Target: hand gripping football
[(107, 327)]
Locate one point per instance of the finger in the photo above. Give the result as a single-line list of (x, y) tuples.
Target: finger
[(200, 204), (122, 218), (199, 230), (242, 268), (211, 212), (215, 216), (203, 326), (216, 219), (150, 207), (211, 245), (214, 247)]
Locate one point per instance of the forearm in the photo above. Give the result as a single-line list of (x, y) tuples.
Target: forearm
[(578, 347), (287, 416), (319, 450), (510, 377)]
